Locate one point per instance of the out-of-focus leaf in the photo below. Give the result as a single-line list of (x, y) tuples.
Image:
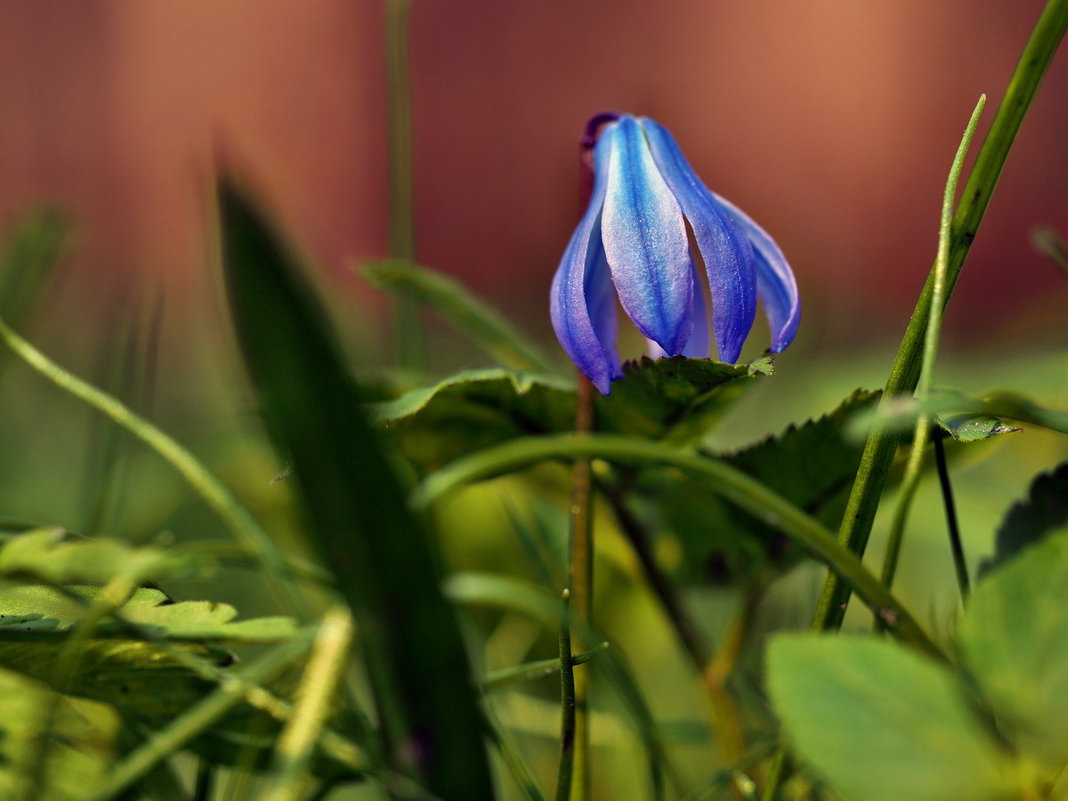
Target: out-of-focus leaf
[(357, 512), (673, 399), (462, 308), (81, 740), (882, 723), (954, 409), (49, 555), (812, 465), (34, 244), (1045, 510), (1014, 639)]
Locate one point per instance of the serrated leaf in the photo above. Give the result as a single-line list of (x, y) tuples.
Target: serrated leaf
[(49, 555), (81, 738), (675, 399), (1014, 638), (1045, 510), (29, 609), (881, 723), (811, 465)]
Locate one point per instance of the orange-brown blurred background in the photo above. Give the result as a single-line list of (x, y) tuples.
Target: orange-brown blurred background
[(832, 122)]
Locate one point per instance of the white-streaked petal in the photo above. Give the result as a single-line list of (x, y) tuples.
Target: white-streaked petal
[(645, 241), (730, 263), (581, 300)]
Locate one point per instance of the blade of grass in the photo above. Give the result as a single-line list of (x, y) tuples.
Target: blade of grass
[(939, 292), (32, 247), (486, 326), (731, 483), (183, 729), (241, 523), (882, 444), (312, 707), (357, 513)]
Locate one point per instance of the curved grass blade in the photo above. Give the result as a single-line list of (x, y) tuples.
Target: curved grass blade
[(486, 326), (357, 513)]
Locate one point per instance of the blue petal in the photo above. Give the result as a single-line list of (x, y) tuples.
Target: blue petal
[(581, 301), (699, 345), (729, 259), (644, 237), (775, 280)]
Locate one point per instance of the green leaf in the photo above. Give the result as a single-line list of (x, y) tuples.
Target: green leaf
[(462, 308), (1014, 639), (80, 741), (1027, 522), (357, 512), (881, 723), (52, 556), (972, 428), (677, 400), (812, 466)]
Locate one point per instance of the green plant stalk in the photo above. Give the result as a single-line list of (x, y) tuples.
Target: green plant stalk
[(171, 739), (731, 483), (541, 669), (568, 706), (580, 598), (407, 325), (312, 708), (960, 564), (939, 293), (881, 445), (240, 522)]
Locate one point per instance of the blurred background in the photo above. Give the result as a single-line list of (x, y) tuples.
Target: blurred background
[(832, 122)]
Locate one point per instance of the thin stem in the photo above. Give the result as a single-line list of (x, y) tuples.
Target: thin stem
[(238, 519), (580, 577), (734, 485), (913, 471), (956, 545), (882, 443), (205, 780), (407, 323), (568, 707)]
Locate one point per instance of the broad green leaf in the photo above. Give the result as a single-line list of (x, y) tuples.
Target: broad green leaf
[(1045, 510), (674, 399), (1014, 639), (53, 556), (812, 465), (457, 304), (80, 741), (881, 723), (357, 512)]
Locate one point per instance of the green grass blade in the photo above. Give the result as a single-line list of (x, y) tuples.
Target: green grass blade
[(904, 375), (34, 245), (357, 513), (461, 308)]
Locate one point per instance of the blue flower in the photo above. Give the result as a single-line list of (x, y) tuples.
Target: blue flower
[(632, 242)]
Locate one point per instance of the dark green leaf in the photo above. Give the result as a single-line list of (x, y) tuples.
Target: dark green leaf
[(812, 465), (358, 518), (673, 399), (882, 723), (1027, 522)]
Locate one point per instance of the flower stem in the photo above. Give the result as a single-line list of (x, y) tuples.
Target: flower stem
[(955, 543), (568, 706), (407, 323), (580, 579), (882, 444)]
